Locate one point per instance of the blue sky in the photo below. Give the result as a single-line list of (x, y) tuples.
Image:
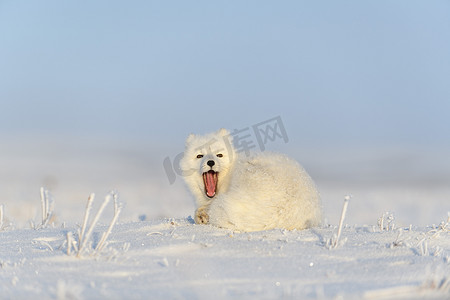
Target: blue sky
[(335, 71)]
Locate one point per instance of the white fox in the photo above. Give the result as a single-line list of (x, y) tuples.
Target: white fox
[(254, 193)]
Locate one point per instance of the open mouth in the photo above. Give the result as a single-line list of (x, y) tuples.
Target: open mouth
[(210, 180)]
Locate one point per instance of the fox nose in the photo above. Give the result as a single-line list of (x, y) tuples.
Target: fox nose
[(210, 163)]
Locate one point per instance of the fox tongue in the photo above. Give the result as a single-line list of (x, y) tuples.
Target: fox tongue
[(210, 183)]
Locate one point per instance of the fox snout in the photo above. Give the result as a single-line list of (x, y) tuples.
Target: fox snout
[(209, 164)]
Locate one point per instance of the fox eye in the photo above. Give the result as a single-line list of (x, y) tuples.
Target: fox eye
[(219, 155), (200, 156)]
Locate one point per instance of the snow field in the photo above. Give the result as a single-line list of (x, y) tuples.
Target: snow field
[(176, 259)]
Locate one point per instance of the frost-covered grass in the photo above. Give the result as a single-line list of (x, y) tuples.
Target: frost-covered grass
[(47, 205), (82, 245), (334, 242)]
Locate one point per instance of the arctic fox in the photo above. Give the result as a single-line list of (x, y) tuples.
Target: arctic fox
[(254, 193)]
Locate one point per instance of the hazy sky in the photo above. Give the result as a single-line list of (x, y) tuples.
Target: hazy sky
[(338, 71)]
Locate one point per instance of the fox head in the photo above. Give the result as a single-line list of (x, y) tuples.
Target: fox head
[(206, 164)]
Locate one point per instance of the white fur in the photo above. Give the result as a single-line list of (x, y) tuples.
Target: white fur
[(260, 192)]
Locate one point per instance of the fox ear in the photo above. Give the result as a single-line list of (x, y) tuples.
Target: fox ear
[(223, 132), (190, 138)]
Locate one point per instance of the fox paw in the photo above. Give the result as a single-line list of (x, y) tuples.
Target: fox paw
[(201, 217)]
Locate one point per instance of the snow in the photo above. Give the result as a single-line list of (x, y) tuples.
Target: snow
[(156, 251), (174, 258)]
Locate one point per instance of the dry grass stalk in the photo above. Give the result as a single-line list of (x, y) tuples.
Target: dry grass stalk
[(333, 242)]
